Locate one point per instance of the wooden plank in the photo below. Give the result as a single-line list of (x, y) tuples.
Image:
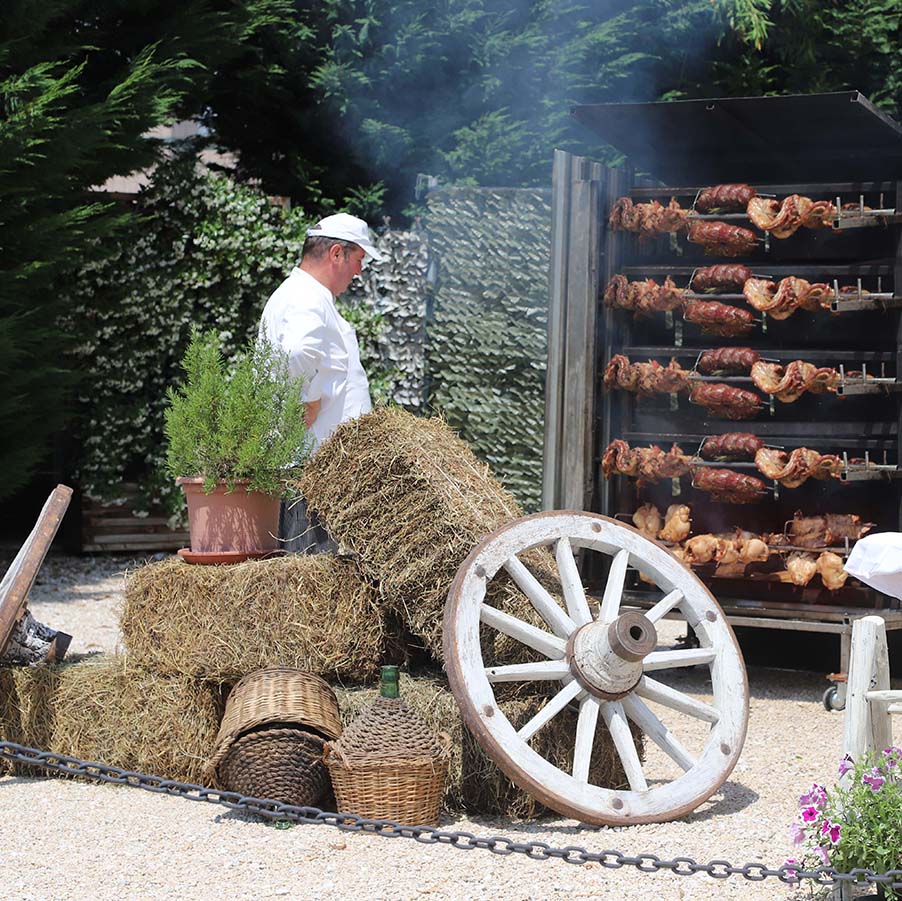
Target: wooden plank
[(579, 373), (141, 547), (557, 328), (21, 574), (137, 522), (139, 538)]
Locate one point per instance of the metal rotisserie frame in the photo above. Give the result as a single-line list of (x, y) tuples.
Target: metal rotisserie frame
[(862, 253)]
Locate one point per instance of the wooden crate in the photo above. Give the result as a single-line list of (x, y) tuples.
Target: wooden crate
[(113, 527)]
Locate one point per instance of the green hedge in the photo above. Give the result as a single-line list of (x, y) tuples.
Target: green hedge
[(487, 337)]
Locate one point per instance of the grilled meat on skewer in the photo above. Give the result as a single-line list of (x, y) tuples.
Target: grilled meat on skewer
[(677, 523), (726, 401), (719, 318), (830, 568), (648, 219), (702, 549), (801, 567), (731, 446), (721, 239), (728, 485), (650, 464), (753, 550), (784, 218), (795, 468), (645, 378), (827, 530), (728, 361), (619, 458), (647, 519), (789, 383), (721, 277), (724, 197), (619, 373), (781, 300), (643, 297)]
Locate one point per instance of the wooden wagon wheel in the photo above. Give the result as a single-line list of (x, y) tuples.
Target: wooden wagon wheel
[(603, 663)]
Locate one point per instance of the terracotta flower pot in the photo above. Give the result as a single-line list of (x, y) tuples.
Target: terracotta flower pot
[(241, 521)]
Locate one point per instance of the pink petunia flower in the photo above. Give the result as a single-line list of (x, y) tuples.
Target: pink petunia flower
[(873, 779), (845, 765), (831, 830), (797, 833), (821, 853), (810, 814), (816, 796), (791, 871)]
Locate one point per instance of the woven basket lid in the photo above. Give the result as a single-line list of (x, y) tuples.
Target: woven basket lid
[(389, 730), (277, 694)]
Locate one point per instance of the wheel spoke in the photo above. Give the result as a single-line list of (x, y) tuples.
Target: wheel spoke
[(574, 592), (614, 716), (537, 639), (547, 607), (554, 706), (528, 672), (585, 737), (639, 713), (652, 690), (665, 605), (613, 590), (674, 659)]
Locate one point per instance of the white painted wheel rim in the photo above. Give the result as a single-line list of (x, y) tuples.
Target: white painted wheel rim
[(560, 790)]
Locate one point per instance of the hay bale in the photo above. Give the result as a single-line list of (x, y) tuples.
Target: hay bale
[(410, 500), (475, 783), (222, 622), (103, 709)]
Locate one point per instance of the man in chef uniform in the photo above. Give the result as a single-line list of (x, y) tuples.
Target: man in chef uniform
[(301, 319)]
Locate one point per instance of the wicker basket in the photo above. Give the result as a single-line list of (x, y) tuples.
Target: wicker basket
[(276, 764), (389, 765), (405, 790), (270, 741)]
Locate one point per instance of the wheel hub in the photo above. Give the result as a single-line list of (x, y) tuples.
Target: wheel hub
[(606, 658)]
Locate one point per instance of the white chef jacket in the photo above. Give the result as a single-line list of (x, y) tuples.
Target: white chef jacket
[(300, 318)]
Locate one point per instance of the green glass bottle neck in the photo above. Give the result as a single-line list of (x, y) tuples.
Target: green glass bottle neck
[(389, 683)]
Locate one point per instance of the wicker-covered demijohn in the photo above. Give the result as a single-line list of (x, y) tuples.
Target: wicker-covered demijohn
[(389, 765), (270, 742)]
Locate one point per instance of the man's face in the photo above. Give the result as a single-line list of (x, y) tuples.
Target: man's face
[(347, 268)]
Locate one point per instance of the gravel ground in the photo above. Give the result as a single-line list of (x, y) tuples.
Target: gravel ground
[(67, 839)]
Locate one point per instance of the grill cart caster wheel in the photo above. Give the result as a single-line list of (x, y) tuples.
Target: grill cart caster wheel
[(605, 662), (831, 699)]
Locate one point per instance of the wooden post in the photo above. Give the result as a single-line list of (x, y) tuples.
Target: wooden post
[(867, 725), (23, 640)]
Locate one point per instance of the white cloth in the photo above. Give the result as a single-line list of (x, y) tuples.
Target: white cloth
[(300, 318), (877, 561)]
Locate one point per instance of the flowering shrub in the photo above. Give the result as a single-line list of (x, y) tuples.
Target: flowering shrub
[(859, 822)]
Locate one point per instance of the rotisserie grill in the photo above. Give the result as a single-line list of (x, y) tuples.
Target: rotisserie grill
[(798, 336)]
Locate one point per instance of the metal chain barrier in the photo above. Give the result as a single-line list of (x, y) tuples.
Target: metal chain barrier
[(428, 835)]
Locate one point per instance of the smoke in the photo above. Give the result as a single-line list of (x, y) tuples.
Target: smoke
[(480, 91)]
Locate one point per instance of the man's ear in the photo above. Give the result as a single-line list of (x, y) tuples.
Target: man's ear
[(335, 251)]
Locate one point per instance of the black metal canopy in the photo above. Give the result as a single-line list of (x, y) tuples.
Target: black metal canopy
[(800, 137)]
